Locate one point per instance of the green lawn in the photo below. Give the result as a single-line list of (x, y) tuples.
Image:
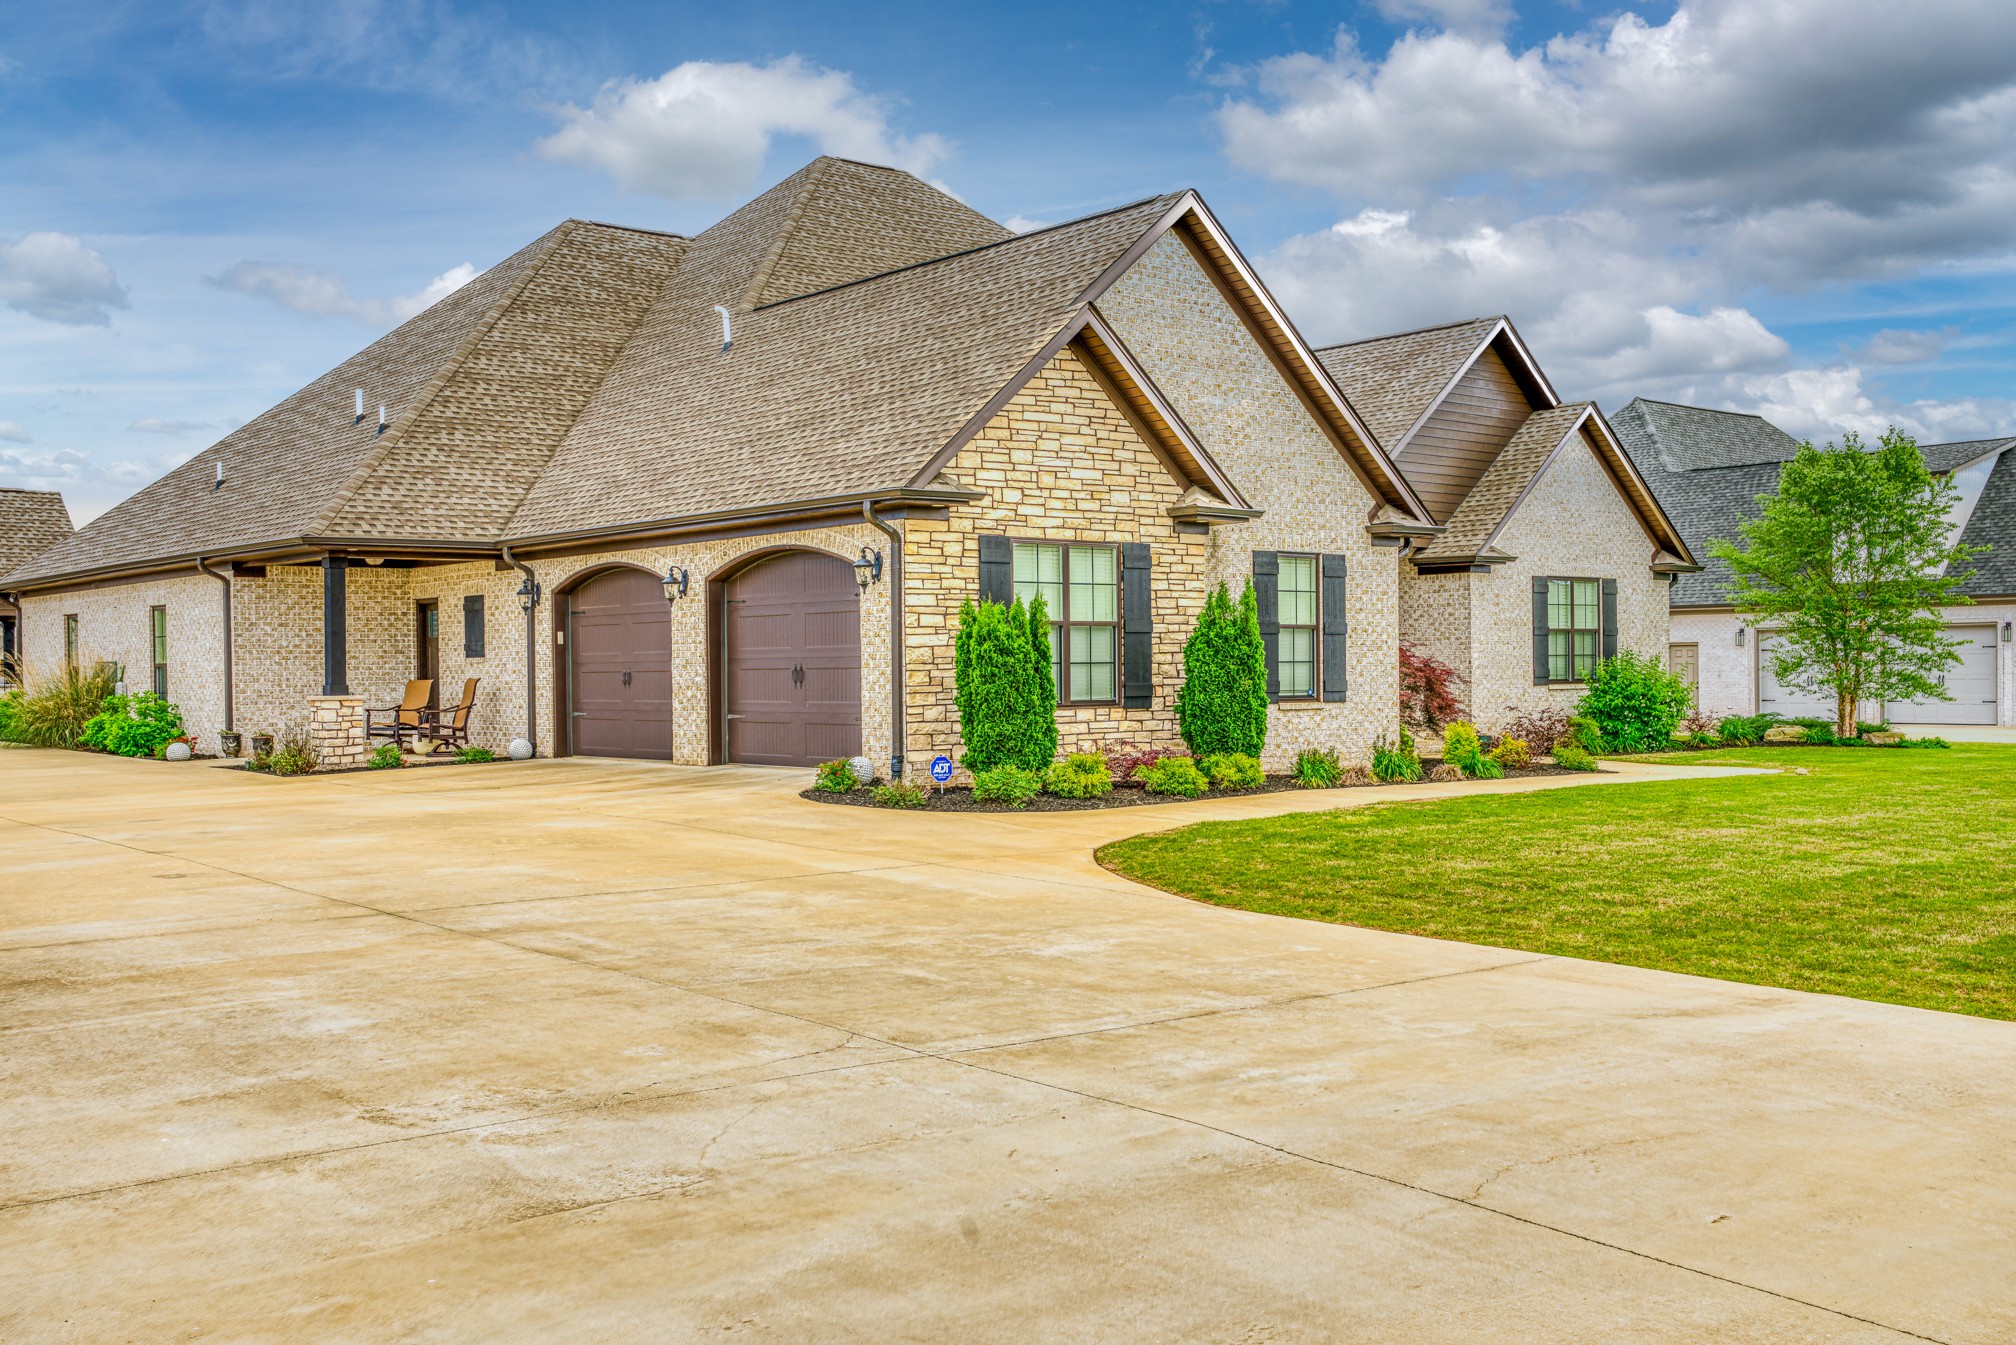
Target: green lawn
[(1884, 874)]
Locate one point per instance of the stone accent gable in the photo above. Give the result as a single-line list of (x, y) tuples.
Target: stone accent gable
[(1225, 385), (1059, 463)]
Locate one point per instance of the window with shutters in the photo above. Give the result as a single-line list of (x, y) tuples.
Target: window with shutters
[(157, 618), (1574, 628), (1081, 587), (1298, 616)]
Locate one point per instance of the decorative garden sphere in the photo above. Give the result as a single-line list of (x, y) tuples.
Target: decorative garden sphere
[(178, 751), (520, 750), (863, 768)]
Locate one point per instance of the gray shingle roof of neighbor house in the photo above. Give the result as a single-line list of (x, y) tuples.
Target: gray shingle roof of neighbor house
[(1392, 380), (31, 521), (580, 386), (1708, 467)]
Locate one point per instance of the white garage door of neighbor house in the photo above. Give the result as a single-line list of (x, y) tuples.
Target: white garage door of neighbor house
[(1971, 684), (1784, 700)]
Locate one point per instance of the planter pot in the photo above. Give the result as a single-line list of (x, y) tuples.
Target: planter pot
[(262, 744), (231, 744)]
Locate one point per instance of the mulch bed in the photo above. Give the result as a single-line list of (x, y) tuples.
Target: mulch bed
[(1126, 794)]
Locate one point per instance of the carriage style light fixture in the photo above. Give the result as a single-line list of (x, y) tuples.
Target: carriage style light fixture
[(868, 569), (674, 583), (2008, 631), (528, 595), (1742, 633)]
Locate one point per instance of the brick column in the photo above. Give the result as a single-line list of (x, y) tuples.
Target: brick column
[(336, 732)]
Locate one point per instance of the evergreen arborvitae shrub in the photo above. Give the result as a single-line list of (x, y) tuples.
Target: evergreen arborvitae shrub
[(1222, 706), (1041, 714), (1006, 710)]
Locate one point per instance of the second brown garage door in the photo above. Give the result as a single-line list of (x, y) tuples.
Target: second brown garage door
[(791, 661), (619, 656)]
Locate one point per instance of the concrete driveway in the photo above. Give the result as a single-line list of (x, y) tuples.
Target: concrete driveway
[(579, 1051)]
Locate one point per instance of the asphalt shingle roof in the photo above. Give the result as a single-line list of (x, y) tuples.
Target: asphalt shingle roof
[(1994, 525), (1391, 380), (1477, 519), (31, 521)]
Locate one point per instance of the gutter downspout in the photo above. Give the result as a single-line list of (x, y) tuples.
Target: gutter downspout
[(230, 698), (20, 643), (898, 737), (531, 650)]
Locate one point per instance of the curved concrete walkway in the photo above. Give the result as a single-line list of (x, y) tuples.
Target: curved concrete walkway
[(586, 1051)]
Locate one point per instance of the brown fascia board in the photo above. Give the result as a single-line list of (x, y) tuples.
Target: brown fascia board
[(278, 551), (826, 506), (1626, 474)]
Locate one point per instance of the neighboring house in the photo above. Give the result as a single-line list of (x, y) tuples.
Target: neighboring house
[(31, 521), (719, 498), (1708, 468), (1551, 551)]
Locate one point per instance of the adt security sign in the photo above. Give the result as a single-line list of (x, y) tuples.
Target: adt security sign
[(941, 769)]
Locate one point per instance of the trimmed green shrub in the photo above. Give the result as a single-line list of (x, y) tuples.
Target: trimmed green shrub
[(836, 777), (1585, 733), (1173, 775), (1233, 770), (1635, 702), (385, 757), (10, 706), (1514, 754), (899, 795), (1462, 749), (132, 726), (1570, 757), (1082, 775), (1222, 705), (472, 756), (1395, 765), (1011, 785), (1003, 686), (1318, 768)]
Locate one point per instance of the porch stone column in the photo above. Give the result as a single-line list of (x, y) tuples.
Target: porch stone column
[(336, 732)]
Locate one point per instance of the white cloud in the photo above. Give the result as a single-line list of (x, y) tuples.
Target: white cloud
[(1455, 15), (1022, 224), (88, 487), (701, 130), (323, 293), (60, 278), (14, 434), (1895, 346), (150, 425)]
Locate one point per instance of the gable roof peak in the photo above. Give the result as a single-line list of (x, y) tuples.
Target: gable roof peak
[(1490, 319)]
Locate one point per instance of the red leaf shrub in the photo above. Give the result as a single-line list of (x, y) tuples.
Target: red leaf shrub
[(1428, 698), (1540, 728)]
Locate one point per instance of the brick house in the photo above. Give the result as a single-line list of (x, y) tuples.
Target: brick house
[(1550, 551), (31, 521), (1710, 466), (718, 498)]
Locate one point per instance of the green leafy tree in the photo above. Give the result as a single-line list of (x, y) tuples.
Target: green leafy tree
[(1222, 706), (1006, 710), (1850, 561)]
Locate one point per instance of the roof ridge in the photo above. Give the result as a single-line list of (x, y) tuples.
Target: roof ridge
[(392, 437), (968, 252), (759, 276), (627, 228), (1413, 331), (1711, 410)]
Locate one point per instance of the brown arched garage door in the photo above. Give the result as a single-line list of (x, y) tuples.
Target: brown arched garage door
[(791, 661), (619, 662)]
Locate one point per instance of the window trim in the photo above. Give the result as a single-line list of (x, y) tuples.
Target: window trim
[(1314, 627), (1060, 623), (157, 647), (73, 642), (1571, 631)]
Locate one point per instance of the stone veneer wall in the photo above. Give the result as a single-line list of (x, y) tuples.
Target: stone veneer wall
[(1059, 463), (1574, 523), (113, 623), (1257, 429)]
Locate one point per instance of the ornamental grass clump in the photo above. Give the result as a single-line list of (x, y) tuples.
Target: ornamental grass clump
[(1745, 730), (1003, 685), (58, 702), (293, 756), (1318, 768), (1082, 775), (1176, 776), (1222, 704), (1395, 764), (836, 777), (1011, 785), (1233, 770), (140, 725)]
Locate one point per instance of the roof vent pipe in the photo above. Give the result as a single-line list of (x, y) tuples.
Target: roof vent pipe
[(360, 408), (381, 417), (218, 484), (727, 336)]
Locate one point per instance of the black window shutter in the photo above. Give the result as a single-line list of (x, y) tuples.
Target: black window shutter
[(1137, 626), (1609, 618), (472, 626), (1336, 625), (1540, 629), (997, 570), (1267, 593)]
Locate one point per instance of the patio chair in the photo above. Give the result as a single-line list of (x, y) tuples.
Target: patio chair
[(402, 721), (450, 724)]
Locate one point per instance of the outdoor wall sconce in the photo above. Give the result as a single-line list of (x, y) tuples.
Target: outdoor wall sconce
[(528, 595), (868, 569), (674, 583), (1742, 633), (2008, 631)]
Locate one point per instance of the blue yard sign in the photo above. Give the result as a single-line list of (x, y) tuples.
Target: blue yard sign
[(941, 769)]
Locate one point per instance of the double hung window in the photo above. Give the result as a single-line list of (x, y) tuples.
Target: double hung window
[(157, 630), (1297, 607), (1574, 628), (1080, 585)]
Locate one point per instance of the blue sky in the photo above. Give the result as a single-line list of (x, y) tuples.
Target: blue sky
[(1804, 207)]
